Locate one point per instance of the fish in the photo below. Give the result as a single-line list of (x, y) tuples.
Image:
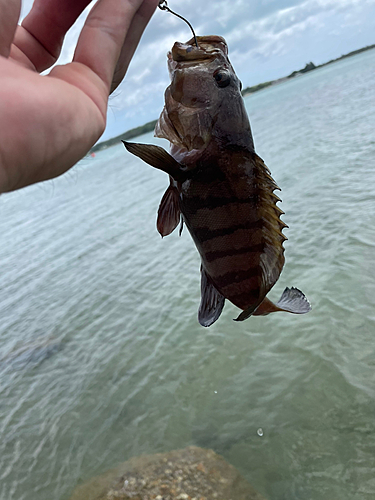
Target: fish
[(218, 186)]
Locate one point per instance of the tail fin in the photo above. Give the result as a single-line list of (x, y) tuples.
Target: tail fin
[(294, 301)]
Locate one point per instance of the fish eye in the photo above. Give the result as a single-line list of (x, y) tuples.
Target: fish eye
[(222, 77)]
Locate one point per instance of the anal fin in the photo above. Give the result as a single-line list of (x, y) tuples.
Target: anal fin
[(212, 302), (246, 313), (169, 211)]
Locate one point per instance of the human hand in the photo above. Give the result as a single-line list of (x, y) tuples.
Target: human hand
[(48, 123)]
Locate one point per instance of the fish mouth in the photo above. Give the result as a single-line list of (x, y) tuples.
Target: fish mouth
[(185, 120), (209, 47)]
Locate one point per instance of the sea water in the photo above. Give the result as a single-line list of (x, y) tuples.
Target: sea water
[(101, 354)]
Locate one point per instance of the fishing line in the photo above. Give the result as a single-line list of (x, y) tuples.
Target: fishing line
[(163, 5)]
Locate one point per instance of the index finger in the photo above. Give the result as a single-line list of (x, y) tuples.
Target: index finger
[(107, 26), (42, 32)]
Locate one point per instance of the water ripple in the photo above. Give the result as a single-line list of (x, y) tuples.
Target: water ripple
[(101, 355)]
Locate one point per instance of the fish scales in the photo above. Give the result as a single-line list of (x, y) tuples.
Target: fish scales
[(211, 211), (220, 187)]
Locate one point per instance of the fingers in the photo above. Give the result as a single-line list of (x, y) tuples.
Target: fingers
[(9, 14), (110, 24), (39, 39), (132, 38)]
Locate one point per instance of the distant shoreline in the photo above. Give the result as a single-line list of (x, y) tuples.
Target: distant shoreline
[(134, 132), (149, 126), (309, 67)]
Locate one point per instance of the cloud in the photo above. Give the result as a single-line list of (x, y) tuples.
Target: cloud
[(285, 21)]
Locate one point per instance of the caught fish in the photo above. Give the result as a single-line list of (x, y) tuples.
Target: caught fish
[(219, 186)]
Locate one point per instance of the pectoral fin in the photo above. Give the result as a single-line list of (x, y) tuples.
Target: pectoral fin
[(169, 211), (212, 302), (157, 157)]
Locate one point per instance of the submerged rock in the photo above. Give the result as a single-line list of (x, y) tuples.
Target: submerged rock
[(189, 474)]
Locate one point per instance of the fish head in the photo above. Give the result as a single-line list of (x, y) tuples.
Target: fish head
[(203, 104)]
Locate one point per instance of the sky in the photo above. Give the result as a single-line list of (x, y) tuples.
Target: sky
[(267, 39)]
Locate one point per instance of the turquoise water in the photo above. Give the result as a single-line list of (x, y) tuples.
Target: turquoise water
[(101, 354)]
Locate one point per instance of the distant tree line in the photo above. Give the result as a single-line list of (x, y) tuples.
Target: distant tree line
[(255, 88), (309, 67), (134, 132)]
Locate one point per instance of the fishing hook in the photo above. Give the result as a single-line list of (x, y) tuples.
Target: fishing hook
[(163, 5)]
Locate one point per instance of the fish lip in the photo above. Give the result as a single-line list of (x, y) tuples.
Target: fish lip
[(209, 48), (209, 40)]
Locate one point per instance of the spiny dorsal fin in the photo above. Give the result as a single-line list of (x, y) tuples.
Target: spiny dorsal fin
[(273, 255)]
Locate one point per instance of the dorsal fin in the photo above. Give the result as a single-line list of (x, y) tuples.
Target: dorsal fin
[(273, 254)]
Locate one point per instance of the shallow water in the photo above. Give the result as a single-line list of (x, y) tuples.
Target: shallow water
[(101, 354)]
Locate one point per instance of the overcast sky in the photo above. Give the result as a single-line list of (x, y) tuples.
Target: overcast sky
[(267, 39)]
